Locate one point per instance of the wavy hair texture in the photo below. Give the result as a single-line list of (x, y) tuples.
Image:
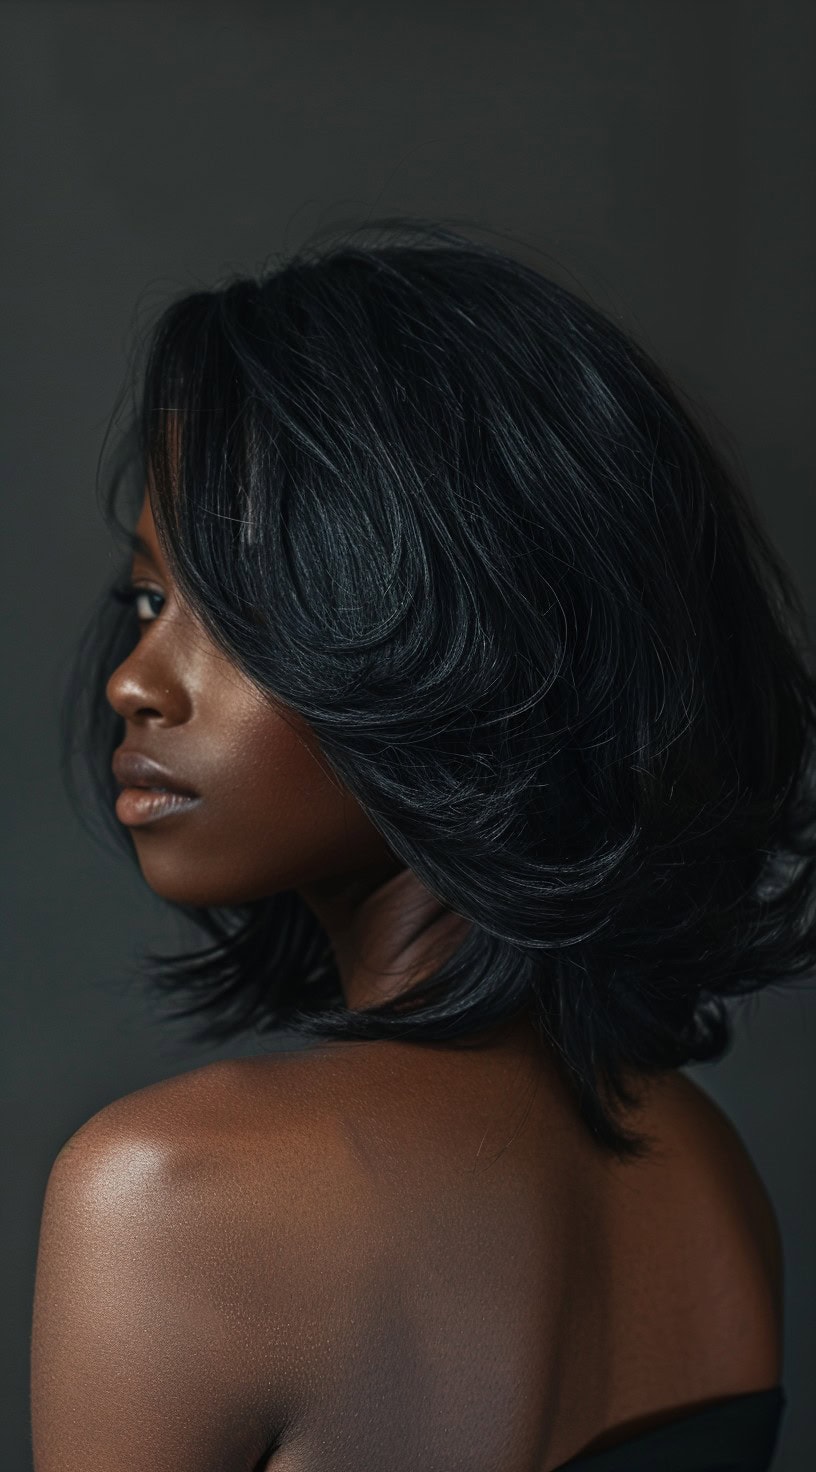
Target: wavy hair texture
[(461, 522)]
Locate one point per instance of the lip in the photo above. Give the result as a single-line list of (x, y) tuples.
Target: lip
[(137, 769), (149, 790), (136, 806)]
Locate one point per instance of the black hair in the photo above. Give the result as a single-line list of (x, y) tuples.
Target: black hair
[(456, 518)]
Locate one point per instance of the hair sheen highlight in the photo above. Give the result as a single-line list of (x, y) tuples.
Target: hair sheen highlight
[(458, 520)]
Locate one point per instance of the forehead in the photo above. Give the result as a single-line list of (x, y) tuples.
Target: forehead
[(143, 538)]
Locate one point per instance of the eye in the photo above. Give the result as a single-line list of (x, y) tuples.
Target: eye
[(140, 597)]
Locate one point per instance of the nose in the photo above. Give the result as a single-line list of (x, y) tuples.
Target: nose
[(145, 688)]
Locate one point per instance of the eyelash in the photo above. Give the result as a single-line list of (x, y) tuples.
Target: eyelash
[(131, 593)]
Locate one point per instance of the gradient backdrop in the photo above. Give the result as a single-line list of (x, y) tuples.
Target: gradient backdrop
[(659, 152)]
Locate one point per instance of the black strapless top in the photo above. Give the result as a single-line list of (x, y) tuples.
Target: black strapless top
[(734, 1435)]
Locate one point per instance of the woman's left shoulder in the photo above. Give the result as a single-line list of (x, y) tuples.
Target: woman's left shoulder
[(200, 1113)]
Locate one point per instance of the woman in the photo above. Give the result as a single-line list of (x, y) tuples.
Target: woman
[(457, 694)]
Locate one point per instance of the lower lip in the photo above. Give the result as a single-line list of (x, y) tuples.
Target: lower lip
[(138, 805)]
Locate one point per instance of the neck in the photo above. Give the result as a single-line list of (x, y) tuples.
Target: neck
[(386, 929)]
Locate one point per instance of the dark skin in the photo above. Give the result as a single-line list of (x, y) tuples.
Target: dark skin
[(382, 1256), (273, 816)]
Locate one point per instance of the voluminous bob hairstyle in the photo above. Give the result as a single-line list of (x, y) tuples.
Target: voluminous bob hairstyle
[(456, 518)]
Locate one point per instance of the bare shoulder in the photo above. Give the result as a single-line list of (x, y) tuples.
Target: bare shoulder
[(156, 1339), (262, 1147), (212, 1117), (709, 1140), (233, 1166)]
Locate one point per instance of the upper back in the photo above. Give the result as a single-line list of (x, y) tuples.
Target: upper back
[(463, 1277)]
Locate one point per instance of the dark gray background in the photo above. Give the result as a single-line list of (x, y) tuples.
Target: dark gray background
[(660, 152)]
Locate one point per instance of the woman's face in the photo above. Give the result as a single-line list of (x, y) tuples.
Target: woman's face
[(269, 815)]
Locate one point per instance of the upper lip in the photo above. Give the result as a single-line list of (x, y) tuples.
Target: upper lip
[(136, 769)]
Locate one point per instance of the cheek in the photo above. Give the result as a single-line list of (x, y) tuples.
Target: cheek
[(283, 800), (273, 818)]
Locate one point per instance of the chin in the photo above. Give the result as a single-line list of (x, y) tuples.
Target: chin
[(183, 884)]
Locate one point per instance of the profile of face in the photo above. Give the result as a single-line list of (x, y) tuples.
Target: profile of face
[(268, 814)]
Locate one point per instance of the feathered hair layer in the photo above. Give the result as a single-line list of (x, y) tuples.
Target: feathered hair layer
[(458, 520)]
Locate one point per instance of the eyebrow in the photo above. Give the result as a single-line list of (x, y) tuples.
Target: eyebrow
[(138, 544)]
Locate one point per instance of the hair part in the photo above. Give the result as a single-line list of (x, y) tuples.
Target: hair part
[(458, 520)]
